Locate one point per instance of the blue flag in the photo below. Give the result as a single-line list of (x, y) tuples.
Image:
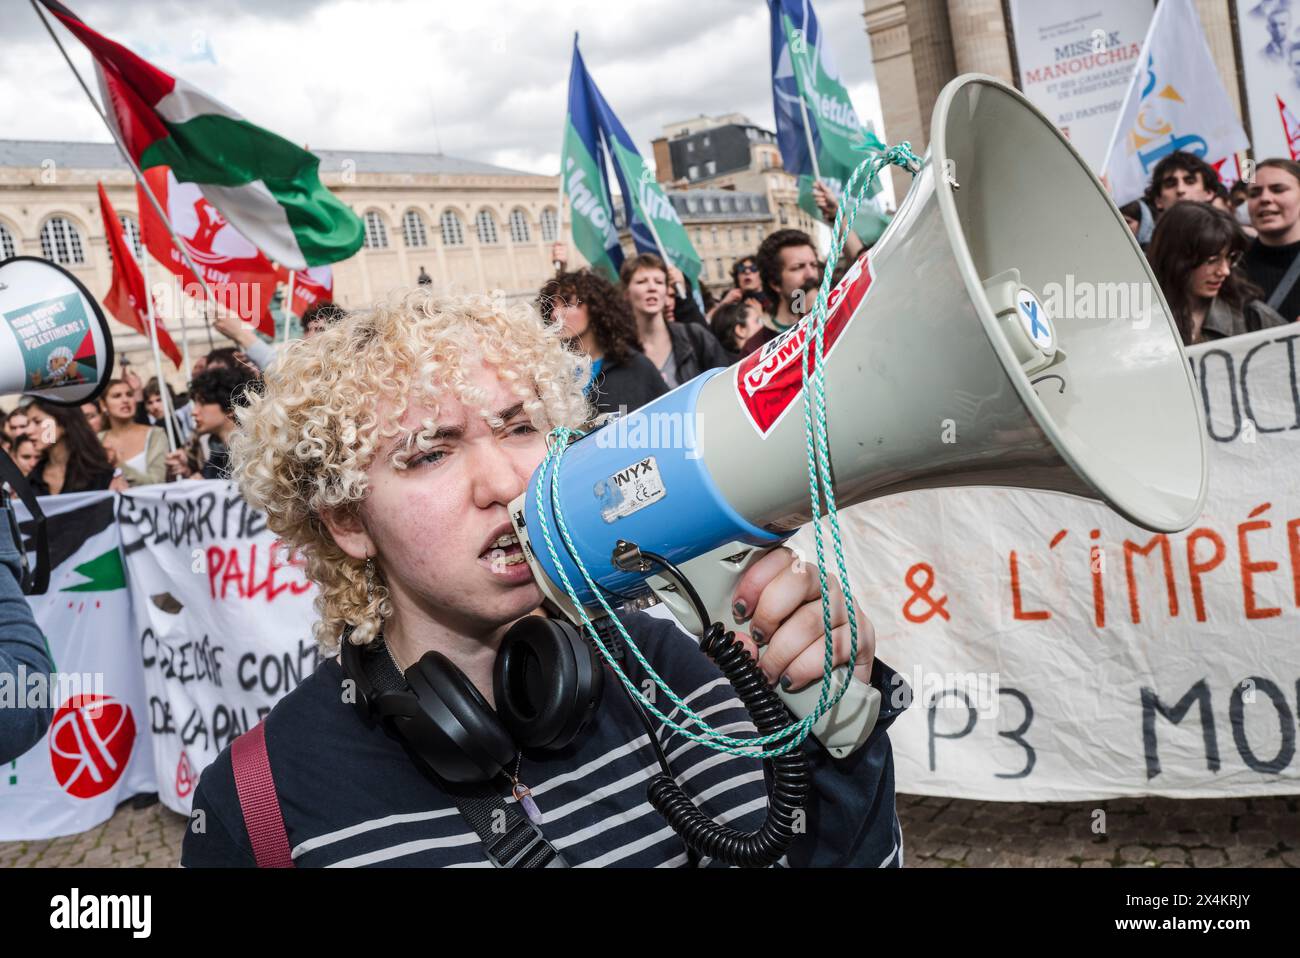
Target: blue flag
[(582, 172), (651, 217), (812, 106)]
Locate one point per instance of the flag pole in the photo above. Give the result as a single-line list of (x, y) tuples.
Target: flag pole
[(288, 305), (807, 132), (181, 302), (559, 212), (135, 170), (163, 392), (559, 188), (654, 234)]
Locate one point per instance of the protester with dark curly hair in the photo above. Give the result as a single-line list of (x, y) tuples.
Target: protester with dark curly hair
[(319, 316), (596, 319), (735, 323), (791, 275), (215, 393)]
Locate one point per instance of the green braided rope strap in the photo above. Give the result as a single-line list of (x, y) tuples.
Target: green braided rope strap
[(819, 484)]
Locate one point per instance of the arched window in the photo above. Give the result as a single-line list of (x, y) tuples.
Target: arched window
[(413, 231), (7, 245), (453, 233), (376, 231), (487, 228), (550, 225), (131, 230), (61, 242), (518, 227)]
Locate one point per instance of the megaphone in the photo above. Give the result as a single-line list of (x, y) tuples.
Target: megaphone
[(54, 339), (944, 367)]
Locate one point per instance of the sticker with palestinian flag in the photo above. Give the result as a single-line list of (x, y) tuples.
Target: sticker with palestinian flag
[(55, 338)]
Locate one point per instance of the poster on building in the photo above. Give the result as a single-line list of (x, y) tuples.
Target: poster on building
[(1076, 60), (1270, 62), (1053, 651)]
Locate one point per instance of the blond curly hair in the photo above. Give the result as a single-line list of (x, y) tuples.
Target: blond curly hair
[(306, 439)]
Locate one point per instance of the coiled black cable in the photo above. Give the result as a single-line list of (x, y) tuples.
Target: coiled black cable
[(790, 772)]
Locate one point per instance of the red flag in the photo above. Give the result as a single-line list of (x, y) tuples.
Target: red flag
[(125, 298), (1290, 128), (241, 278), (310, 287)]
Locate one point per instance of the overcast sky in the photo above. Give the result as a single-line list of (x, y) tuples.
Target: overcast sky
[(483, 79)]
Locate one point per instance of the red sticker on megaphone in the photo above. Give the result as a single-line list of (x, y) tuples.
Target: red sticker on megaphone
[(768, 381)]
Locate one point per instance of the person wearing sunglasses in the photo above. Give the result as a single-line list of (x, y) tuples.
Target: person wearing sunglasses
[(746, 284), (1195, 254)]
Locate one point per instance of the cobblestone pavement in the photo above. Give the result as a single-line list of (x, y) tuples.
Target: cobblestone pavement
[(1138, 832), (938, 833)]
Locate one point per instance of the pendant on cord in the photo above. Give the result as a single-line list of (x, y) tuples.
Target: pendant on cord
[(524, 796)]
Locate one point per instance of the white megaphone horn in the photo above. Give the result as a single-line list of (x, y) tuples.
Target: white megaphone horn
[(54, 339), (944, 326)]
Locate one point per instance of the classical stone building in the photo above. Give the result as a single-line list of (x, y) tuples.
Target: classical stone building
[(724, 225), (470, 225), (723, 175), (917, 46)]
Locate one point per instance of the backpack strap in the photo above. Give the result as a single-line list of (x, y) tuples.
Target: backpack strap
[(257, 798), (1285, 285)]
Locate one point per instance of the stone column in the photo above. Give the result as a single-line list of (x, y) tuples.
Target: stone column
[(1217, 25), (979, 38), (912, 50)]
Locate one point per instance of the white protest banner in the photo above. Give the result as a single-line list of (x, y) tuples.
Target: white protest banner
[(223, 622), (1270, 62), (1075, 61), (1055, 652), (96, 752), (1175, 101)]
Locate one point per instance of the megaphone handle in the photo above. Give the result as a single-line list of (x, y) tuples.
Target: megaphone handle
[(715, 575)]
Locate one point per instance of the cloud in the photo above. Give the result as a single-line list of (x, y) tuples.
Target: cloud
[(486, 80)]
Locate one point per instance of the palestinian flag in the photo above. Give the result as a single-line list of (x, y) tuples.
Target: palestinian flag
[(266, 187)]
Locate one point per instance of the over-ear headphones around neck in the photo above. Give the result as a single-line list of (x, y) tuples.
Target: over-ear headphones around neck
[(547, 682)]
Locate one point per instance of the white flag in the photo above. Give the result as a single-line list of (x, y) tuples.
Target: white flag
[(1175, 101)]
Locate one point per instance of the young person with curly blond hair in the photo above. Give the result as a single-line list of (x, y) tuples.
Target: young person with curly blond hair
[(386, 451)]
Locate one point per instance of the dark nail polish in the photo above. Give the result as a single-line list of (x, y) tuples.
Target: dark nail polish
[(739, 610), (758, 636), (786, 683)]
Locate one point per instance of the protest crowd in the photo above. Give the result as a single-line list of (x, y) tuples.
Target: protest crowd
[(287, 526), (1224, 260)]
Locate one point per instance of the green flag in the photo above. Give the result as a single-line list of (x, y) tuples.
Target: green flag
[(650, 205), (811, 104)]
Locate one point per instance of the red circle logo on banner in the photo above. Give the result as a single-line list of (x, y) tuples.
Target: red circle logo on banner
[(90, 744), (185, 778)]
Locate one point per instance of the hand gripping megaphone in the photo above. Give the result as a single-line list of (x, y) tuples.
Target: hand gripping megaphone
[(944, 326), (54, 339)]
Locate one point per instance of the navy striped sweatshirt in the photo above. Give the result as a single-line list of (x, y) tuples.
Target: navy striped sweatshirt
[(351, 796)]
